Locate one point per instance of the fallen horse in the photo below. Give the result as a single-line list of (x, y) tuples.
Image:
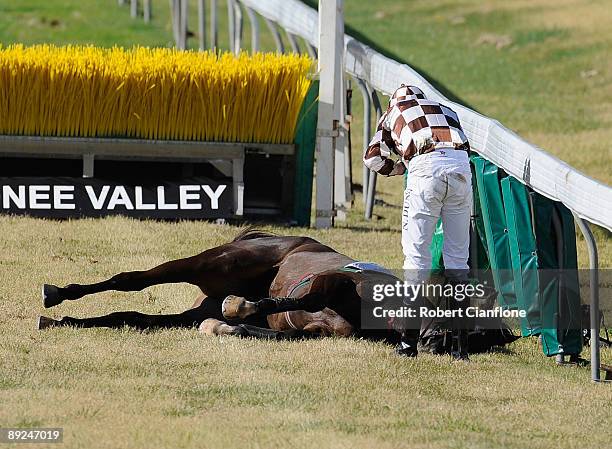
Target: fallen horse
[(258, 285), (306, 286)]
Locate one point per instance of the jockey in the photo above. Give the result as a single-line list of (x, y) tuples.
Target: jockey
[(428, 140)]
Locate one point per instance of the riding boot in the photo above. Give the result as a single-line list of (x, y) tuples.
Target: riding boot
[(409, 329), (460, 345), (407, 347), (460, 332), (461, 324)]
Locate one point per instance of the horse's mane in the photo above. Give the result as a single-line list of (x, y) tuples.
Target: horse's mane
[(252, 233)]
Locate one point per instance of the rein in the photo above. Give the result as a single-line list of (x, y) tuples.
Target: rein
[(292, 288), (289, 322)]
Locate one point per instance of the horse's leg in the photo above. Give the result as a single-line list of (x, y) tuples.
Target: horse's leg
[(132, 319), (213, 326), (205, 308), (302, 325), (216, 271), (327, 322), (325, 290), (237, 307), (170, 272)]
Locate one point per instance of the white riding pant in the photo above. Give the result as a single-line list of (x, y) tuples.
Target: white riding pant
[(439, 185)]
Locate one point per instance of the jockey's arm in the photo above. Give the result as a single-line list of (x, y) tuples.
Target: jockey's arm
[(377, 156)]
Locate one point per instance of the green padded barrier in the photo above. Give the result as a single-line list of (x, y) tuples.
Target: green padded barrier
[(552, 301), (305, 141), (560, 300), (570, 253), (524, 256), (482, 257), (542, 210), (571, 307), (494, 221)]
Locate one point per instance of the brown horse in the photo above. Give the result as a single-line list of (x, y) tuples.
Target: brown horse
[(301, 285)]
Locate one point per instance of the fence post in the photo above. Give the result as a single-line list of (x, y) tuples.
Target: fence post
[(342, 186), (184, 12), (367, 132), (295, 48), (176, 17), (237, 27), (371, 192), (594, 289), (231, 24), (254, 29), (331, 46), (348, 120), (277, 38), (146, 11), (213, 24), (88, 165), (202, 24), (312, 50)]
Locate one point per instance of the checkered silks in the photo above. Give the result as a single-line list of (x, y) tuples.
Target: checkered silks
[(413, 125)]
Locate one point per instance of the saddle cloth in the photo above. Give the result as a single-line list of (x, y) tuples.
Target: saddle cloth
[(366, 266), (354, 267)]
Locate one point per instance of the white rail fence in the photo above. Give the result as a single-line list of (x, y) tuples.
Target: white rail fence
[(588, 199)]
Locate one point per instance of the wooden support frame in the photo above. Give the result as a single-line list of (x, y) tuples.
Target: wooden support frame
[(331, 51)]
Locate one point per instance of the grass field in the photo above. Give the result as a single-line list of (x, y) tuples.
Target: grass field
[(179, 389), (538, 66)]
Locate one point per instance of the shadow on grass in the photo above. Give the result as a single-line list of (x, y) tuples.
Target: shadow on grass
[(501, 350)]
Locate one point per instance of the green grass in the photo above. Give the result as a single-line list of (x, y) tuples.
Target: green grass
[(177, 389)]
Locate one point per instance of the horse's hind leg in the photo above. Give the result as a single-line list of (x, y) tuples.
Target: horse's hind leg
[(208, 308), (217, 271), (213, 326), (180, 270), (120, 319)]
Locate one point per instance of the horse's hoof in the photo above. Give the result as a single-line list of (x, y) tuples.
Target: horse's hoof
[(212, 326), (236, 307), (51, 295), (45, 322)]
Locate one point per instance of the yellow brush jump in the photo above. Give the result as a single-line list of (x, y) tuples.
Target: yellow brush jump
[(166, 94)]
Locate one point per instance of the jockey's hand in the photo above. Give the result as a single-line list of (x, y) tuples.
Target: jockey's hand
[(398, 169)]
